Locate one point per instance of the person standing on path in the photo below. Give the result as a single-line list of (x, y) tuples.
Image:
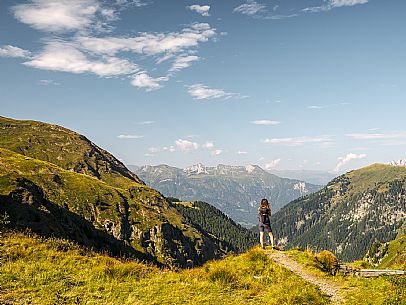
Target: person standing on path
[(264, 217)]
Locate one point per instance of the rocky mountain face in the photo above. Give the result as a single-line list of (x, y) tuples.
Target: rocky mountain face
[(55, 182), (348, 215), (235, 190)]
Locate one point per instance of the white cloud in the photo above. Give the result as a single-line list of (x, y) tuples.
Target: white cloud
[(63, 56), (378, 136), (183, 62), (143, 80), (333, 4), (339, 3), (11, 51), (208, 145), (58, 15), (217, 152), (145, 122), (315, 107), (265, 122), (48, 82), (298, 141), (186, 145), (250, 8), (129, 136), (201, 9), (272, 164), (136, 3), (202, 92), (241, 152), (346, 159), (150, 44)]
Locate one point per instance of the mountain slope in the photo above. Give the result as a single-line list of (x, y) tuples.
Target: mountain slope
[(57, 183), (235, 190), (210, 219), (65, 148), (349, 214)]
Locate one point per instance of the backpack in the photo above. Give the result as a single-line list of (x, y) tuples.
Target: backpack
[(264, 216)]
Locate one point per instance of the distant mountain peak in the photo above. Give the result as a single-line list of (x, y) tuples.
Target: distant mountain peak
[(196, 169)]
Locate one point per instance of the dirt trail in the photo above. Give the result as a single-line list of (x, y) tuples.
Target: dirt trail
[(329, 287)]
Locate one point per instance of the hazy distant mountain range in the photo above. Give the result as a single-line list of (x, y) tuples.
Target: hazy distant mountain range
[(236, 190)]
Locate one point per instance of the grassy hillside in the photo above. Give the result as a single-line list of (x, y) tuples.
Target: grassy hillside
[(391, 254), (58, 183), (348, 215), (53, 271), (65, 148), (56, 202)]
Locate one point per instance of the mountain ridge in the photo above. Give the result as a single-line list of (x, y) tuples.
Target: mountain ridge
[(348, 214), (235, 190)]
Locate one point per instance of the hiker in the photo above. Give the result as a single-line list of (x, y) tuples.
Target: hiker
[(264, 217)]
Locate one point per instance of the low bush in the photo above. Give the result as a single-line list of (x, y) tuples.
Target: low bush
[(327, 261)]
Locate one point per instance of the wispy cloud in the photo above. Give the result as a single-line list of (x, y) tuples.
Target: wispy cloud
[(183, 62), (344, 160), (202, 92), (217, 152), (48, 82), (377, 136), (200, 9), (129, 136), (143, 80), (250, 8), (81, 51), (63, 56), (242, 152), (185, 145), (145, 122), (265, 122), (329, 5), (150, 43), (59, 15), (272, 164), (298, 141), (12, 51)]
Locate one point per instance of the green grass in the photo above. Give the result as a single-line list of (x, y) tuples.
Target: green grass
[(53, 271), (385, 290)]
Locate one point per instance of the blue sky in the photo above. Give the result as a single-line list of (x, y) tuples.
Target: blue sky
[(316, 84)]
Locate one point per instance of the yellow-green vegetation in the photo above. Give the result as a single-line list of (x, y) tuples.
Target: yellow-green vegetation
[(65, 148), (347, 216), (385, 290), (52, 196), (327, 260), (34, 270)]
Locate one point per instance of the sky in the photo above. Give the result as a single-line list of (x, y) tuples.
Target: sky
[(309, 84)]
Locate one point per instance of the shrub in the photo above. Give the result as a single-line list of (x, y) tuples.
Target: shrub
[(327, 261)]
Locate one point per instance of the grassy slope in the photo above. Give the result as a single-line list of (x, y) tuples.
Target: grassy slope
[(331, 203), (53, 271), (89, 197), (359, 291), (65, 148)]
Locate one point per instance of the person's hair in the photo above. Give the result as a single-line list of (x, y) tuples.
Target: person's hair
[(264, 203)]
